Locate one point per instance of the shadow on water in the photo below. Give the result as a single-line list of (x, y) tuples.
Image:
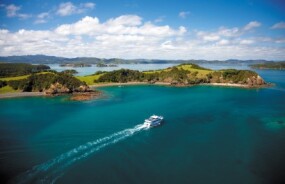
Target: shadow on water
[(268, 161), (31, 115)]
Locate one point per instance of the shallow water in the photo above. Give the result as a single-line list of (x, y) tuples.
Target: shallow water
[(210, 135)]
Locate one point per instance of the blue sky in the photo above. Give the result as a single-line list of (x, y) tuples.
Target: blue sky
[(172, 29)]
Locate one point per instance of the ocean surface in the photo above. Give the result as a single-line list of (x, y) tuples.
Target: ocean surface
[(215, 135)]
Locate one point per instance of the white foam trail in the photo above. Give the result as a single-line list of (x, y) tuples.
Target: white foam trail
[(50, 171)]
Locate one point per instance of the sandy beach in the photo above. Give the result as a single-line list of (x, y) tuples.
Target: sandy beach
[(21, 94), (128, 84)]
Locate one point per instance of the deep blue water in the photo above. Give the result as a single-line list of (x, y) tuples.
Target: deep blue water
[(210, 135)]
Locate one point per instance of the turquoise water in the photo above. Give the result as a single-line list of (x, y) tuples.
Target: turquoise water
[(210, 135)]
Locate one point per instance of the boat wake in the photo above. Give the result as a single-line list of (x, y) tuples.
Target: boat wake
[(53, 169)]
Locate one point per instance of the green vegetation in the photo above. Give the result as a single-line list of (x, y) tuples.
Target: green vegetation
[(18, 69), (193, 68), (3, 83), (7, 89), (40, 82), (270, 65), (184, 74), (101, 65), (75, 65), (14, 78), (122, 75), (89, 80), (231, 76), (70, 72)]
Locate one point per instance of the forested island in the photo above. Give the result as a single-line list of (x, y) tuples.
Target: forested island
[(105, 65), (75, 65), (51, 82), (270, 65), (180, 75)]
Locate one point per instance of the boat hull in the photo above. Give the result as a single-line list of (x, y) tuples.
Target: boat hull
[(152, 122)]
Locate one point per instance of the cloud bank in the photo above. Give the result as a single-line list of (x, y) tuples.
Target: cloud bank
[(128, 36)]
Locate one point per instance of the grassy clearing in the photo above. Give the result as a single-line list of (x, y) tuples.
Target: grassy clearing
[(89, 79), (7, 89), (201, 72), (14, 78)]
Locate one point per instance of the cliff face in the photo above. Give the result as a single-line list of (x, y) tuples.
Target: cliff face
[(241, 77), (58, 88), (255, 81)]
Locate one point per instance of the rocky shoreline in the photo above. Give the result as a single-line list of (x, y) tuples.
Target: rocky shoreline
[(85, 93), (85, 96), (77, 96)]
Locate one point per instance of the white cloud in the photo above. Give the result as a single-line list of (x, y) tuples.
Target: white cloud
[(43, 15), (229, 32), (40, 21), (279, 40), (88, 5), (68, 8), (251, 25), (13, 11), (129, 36), (211, 37), (279, 25), (223, 42), (246, 42), (42, 18), (128, 20), (183, 14), (159, 19), (125, 24), (222, 36)]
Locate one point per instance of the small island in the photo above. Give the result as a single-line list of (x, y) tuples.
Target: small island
[(105, 65), (76, 65), (270, 66)]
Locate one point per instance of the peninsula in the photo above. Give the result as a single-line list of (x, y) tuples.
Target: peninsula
[(41, 81)]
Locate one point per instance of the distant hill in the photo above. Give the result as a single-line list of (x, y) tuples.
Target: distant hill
[(34, 59), (18, 69), (270, 65), (43, 59)]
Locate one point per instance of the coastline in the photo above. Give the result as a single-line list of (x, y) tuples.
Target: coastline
[(32, 94), (226, 85), (169, 84)]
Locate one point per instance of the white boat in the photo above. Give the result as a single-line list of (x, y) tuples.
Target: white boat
[(153, 120)]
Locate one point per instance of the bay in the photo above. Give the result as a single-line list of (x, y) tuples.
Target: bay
[(210, 135)]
